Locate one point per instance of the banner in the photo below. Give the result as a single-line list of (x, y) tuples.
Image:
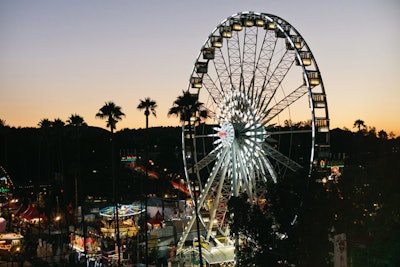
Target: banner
[(340, 249)]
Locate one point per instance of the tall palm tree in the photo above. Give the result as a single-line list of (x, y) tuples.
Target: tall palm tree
[(112, 113), (77, 122), (185, 107), (148, 105)]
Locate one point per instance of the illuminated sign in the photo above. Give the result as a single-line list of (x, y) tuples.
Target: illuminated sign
[(4, 190), (128, 158)]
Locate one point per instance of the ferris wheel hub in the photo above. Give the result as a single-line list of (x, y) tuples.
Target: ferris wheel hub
[(226, 133)]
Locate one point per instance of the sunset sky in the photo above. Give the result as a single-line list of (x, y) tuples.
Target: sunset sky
[(59, 58)]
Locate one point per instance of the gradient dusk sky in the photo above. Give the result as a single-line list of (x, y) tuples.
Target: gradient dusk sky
[(59, 58)]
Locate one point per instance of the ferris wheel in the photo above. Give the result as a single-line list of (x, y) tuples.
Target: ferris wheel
[(267, 118)]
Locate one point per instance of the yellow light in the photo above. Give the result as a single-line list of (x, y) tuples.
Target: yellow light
[(270, 25), (216, 41), (306, 61), (236, 25), (259, 22), (314, 81), (227, 34), (248, 23)]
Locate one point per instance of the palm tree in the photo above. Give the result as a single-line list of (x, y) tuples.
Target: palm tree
[(112, 113), (358, 124), (185, 107), (148, 105), (44, 124), (58, 123), (76, 120)]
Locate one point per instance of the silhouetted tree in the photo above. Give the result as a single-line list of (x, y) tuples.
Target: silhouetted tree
[(148, 105), (254, 227), (382, 134), (76, 120), (186, 106), (112, 113), (359, 124), (44, 123)]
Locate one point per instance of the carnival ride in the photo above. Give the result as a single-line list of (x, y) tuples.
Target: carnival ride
[(128, 220), (256, 77)]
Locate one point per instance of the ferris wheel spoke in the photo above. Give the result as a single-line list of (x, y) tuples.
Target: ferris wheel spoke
[(217, 201), (222, 71), (277, 76), (249, 58), (282, 159), (262, 168), (212, 89), (262, 70), (241, 171), (235, 60), (215, 173), (204, 162), (283, 104)]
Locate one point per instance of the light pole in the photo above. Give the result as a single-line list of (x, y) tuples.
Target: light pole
[(57, 221)]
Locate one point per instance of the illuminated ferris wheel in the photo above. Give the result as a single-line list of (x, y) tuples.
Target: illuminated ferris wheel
[(263, 90)]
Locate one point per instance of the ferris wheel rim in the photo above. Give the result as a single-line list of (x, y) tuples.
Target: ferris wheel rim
[(288, 31)]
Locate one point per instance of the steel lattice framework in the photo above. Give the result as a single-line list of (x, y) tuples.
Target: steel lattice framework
[(256, 75)]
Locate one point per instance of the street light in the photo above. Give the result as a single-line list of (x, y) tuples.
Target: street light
[(57, 221)]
